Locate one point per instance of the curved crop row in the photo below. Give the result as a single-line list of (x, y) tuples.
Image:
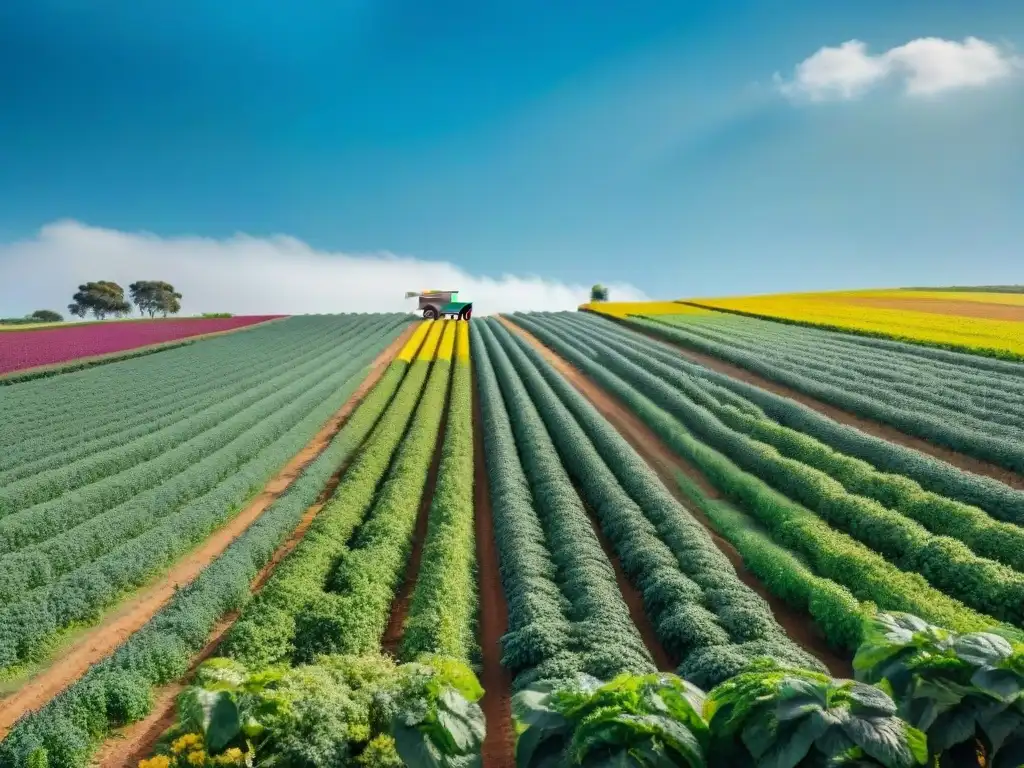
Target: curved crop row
[(27, 626), (266, 631), (600, 638), (443, 608), (990, 538), (831, 553), (118, 690), (942, 431), (702, 613)]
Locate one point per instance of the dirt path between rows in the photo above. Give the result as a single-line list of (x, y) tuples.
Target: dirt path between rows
[(392, 641), (798, 625), (632, 598), (101, 640), (865, 425), (936, 306), (499, 743)]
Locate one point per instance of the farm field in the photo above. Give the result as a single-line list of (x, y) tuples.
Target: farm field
[(357, 540), (31, 347)]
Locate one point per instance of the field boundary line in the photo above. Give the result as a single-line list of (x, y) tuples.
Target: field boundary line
[(101, 640)]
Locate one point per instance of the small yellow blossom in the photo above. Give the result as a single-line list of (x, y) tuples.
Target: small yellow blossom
[(197, 758), (233, 756), (159, 761), (186, 742)]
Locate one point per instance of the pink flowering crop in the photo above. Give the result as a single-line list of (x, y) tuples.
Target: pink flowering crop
[(48, 346)]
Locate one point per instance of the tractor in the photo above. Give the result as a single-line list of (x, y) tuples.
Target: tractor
[(435, 304)]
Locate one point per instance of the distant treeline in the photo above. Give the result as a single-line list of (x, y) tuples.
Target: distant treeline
[(973, 288)]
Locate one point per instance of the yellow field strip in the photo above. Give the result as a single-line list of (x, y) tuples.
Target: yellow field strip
[(624, 308), (415, 341), (429, 348), (462, 343), (447, 344)]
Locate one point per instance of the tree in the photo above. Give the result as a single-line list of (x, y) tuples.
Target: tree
[(47, 316), (152, 296), (100, 298), (599, 293)]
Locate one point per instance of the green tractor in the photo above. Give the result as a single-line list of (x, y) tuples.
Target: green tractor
[(435, 304)]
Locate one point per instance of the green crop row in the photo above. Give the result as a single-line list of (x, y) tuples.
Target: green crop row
[(831, 553), (909, 417), (28, 625), (947, 563), (350, 615), (107, 476), (990, 538), (266, 632), (442, 612), (180, 497), (995, 498), (538, 629), (73, 461), (603, 641), (872, 381), (710, 616), (118, 690)]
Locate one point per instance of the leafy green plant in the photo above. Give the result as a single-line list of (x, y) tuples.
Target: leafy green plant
[(773, 716), (965, 691), (649, 720)]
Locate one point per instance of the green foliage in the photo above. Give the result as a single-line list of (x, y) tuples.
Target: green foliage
[(46, 316), (100, 298), (70, 726), (153, 296), (600, 637), (830, 553), (70, 577), (691, 594), (960, 689), (266, 631), (599, 293), (442, 611), (942, 425), (351, 614), (785, 718), (216, 314), (650, 720)]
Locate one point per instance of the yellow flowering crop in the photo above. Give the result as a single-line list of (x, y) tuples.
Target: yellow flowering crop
[(444, 349), (429, 348), (462, 343), (197, 758), (160, 761), (413, 344), (830, 310), (186, 742), (624, 308)]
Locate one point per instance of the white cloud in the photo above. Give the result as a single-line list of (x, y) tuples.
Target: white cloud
[(925, 66), (248, 275)]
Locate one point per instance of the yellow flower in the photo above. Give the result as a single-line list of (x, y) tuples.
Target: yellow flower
[(233, 756), (197, 758), (159, 761), (186, 742)]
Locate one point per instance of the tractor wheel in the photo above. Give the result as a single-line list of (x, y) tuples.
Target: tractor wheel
[(468, 313), (430, 313)]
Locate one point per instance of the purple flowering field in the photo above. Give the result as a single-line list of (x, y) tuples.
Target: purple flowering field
[(48, 346)]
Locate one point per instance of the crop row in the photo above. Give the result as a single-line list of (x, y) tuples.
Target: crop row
[(886, 382), (86, 393), (442, 612), (165, 451), (125, 551), (702, 613), (66, 439), (93, 428), (990, 538), (118, 690), (947, 563), (908, 418), (587, 627), (832, 554), (269, 629)]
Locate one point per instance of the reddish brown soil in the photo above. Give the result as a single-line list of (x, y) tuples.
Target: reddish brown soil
[(101, 640), (877, 429), (499, 744), (634, 601), (799, 626), (936, 306), (392, 640)]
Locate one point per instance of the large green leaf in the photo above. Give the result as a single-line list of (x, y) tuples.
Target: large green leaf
[(982, 648), (885, 739), (415, 748), (225, 723), (1003, 684), (788, 751)]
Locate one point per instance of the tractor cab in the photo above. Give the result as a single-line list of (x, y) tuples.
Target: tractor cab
[(436, 304)]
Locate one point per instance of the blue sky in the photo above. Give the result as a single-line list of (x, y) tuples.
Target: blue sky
[(639, 142)]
